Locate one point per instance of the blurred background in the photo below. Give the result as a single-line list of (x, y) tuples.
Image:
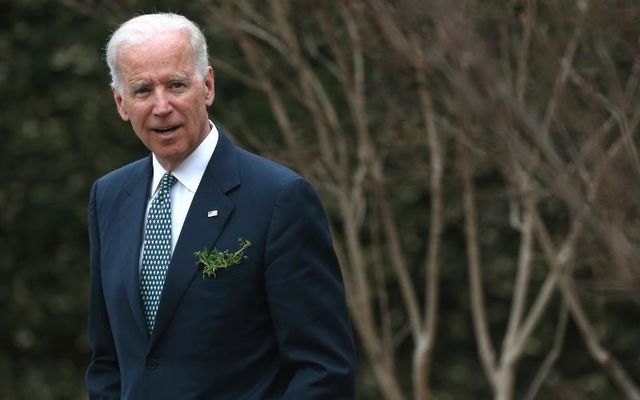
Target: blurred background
[(478, 160)]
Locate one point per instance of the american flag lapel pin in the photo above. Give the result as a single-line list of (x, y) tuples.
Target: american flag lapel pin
[(212, 213)]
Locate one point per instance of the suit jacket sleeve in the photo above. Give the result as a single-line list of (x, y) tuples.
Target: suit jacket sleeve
[(103, 374), (306, 298)]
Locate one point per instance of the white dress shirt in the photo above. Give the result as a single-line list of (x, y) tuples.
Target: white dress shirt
[(188, 174)]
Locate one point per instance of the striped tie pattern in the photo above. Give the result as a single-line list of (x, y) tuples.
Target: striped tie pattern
[(156, 252)]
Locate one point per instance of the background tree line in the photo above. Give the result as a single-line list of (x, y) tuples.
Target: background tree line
[(478, 160)]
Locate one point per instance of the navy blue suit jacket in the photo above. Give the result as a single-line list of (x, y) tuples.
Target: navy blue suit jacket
[(274, 326)]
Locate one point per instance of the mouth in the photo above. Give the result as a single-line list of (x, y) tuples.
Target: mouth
[(165, 130)]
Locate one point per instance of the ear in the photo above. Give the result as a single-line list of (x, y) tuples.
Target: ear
[(120, 105), (209, 87)]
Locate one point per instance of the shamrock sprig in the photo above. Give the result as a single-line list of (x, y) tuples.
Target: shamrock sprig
[(213, 260)]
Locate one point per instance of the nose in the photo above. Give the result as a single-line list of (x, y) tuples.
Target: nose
[(161, 103)]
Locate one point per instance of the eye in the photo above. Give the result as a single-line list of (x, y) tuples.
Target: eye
[(141, 91), (177, 85)]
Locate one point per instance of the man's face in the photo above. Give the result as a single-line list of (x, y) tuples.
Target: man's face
[(163, 98)]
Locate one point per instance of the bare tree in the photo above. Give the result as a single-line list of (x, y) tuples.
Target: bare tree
[(374, 96), (349, 167), (484, 103), (536, 168)]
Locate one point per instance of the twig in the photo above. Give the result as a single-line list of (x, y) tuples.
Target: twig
[(552, 356)]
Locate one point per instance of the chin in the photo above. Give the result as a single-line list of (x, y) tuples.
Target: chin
[(168, 157)]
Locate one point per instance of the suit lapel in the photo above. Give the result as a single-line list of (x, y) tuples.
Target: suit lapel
[(133, 209), (199, 231)]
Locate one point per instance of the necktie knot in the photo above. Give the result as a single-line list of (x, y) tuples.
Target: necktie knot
[(167, 181)]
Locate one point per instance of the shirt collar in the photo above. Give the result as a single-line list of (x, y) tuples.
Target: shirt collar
[(190, 171)]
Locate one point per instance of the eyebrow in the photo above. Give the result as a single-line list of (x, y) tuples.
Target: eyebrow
[(181, 78), (135, 85)]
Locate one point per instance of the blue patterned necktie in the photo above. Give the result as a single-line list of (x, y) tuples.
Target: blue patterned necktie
[(156, 252)]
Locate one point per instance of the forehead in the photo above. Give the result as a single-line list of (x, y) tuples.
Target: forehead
[(168, 52)]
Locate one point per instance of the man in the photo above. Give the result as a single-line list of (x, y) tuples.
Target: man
[(260, 313)]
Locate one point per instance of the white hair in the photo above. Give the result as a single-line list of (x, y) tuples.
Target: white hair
[(144, 27)]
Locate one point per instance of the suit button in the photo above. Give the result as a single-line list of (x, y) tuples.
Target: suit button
[(152, 363)]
